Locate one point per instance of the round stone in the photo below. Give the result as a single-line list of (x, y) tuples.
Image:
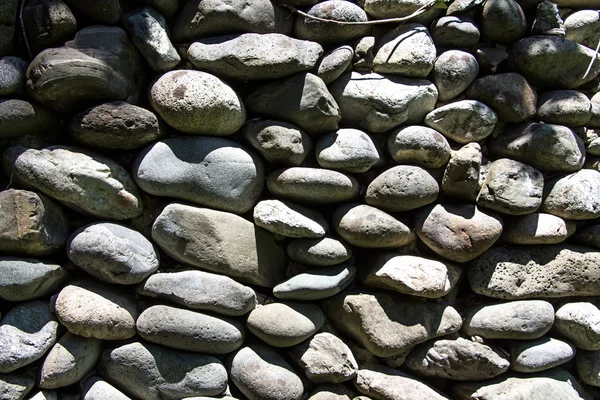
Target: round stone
[(564, 107), (347, 150), (420, 146), (453, 72), (12, 75), (18, 117)]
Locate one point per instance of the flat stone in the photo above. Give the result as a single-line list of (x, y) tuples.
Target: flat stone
[(385, 324), (312, 185), (564, 107), (209, 171), (521, 320), (18, 117), (26, 278), (333, 64), (412, 275), (69, 360), (579, 322), (27, 332), (508, 94), (587, 364), (66, 173), (290, 220), (254, 56), (302, 99), (539, 354), (153, 372), (316, 284), (464, 121), (575, 196), (537, 228), (92, 310), (365, 226), (378, 103), (302, 320), (113, 253), (189, 330), (503, 21), (16, 386), (583, 27), (461, 176), (419, 145), (278, 142), (458, 360), (402, 188), (202, 291), (261, 373), (235, 247), (198, 103), (321, 252), (347, 150), (94, 388), (543, 146), (455, 31), (536, 272), (12, 75), (457, 232)]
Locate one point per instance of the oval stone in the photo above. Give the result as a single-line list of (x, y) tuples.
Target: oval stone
[(26, 278), (539, 354), (347, 150), (18, 117), (463, 121), (419, 145)]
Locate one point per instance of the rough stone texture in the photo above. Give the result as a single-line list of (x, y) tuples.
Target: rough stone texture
[(587, 364), (583, 27), (152, 372), (419, 145), (575, 196), (26, 278), (455, 31), (522, 320), (235, 246), (461, 176), (463, 121), (316, 284), (253, 56), (12, 75), (94, 388), (547, 19), (540, 354), (290, 220), (387, 325), (564, 107), (453, 72), (202, 291), (79, 179), (347, 150), (334, 63), (47, 23), (16, 386), (503, 21), (579, 322), (19, 116), (320, 252), (198, 103), (537, 228), (278, 142)]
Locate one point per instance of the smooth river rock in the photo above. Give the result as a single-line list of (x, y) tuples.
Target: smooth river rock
[(319, 252), (27, 278), (463, 121), (579, 322), (289, 220), (316, 284), (539, 354), (575, 196)]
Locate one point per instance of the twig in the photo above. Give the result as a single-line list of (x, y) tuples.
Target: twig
[(23, 28), (420, 11), (589, 68)]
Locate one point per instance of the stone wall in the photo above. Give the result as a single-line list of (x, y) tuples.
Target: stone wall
[(244, 200)]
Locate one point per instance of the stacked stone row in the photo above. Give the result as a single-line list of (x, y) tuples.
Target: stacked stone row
[(237, 200)]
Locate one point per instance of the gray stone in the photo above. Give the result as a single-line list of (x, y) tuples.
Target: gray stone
[(302, 99), (587, 364), (92, 310), (235, 246), (379, 382), (464, 121), (457, 232), (253, 56), (402, 188), (459, 360), (594, 121), (378, 103), (113, 253), (461, 176), (19, 117), (543, 146), (363, 54), (407, 50), (45, 395), (325, 358), (201, 18), (202, 291), (316, 284), (278, 142), (583, 27), (302, 320), (12, 75), (347, 150), (26, 278), (261, 373), (322, 252), (312, 185), (151, 372), (365, 226), (47, 23), (106, 12), (536, 272), (198, 103), (80, 180), (386, 324), (548, 20), (399, 8), (288, 219), (508, 94), (15, 386), (589, 236), (209, 171), (453, 72), (149, 33), (99, 65), (537, 228), (69, 360), (539, 354), (455, 31), (333, 64), (116, 125), (27, 332), (94, 388), (189, 330), (30, 223), (564, 107), (502, 21), (331, 391), (553, 62), (575, 196), (331, 34), (521, 320), (419, 145), (412, 275), (579, 322), (8, 20), (511, 187)]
